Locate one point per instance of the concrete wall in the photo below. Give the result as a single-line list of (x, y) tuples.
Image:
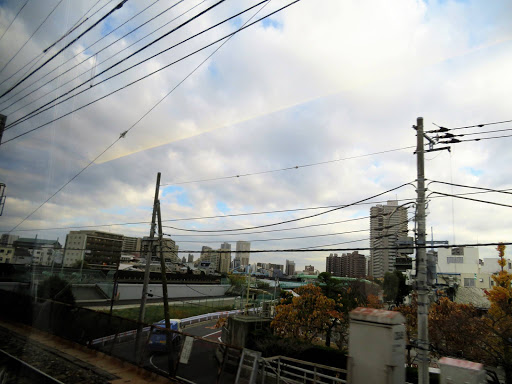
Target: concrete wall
[(134, 291)]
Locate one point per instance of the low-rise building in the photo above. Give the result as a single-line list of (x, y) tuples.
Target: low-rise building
[(93, 247), (6, 254)]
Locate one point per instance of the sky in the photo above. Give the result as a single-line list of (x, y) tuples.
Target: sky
[(315, 82)]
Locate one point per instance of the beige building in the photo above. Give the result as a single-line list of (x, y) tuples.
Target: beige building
[(132, 245), (93, 247), (169, 249), (6, 254), (388, 223)]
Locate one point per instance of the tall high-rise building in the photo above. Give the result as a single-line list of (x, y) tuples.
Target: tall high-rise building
[(290, 268), (333, 264), (353, 264), (190, 258), (243, 251), (225, 257), (388, 223)]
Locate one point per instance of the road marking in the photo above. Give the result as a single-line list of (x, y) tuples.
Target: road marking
[(161, 370), (213, 333)]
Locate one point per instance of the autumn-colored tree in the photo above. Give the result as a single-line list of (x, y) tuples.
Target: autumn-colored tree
[(456, 330), (410, 312), (372, 301), (499, 318), (307, 316)]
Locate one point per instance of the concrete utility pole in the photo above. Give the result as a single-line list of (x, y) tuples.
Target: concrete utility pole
[(168, 336), (143, 299), (3, 119), (421, 252)]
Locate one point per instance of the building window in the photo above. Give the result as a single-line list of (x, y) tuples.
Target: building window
[(469, 282), (455, 260)]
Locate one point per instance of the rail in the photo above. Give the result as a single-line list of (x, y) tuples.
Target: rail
[(288, 370), (24, 369)]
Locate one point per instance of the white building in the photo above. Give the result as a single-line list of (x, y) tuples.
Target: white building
[(458, 260), (243, 251), (490, 265), (388, 223)]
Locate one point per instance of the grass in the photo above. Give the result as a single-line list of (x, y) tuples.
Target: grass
[(155, 313)]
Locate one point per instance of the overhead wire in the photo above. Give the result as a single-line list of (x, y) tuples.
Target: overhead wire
[(118, 6), (12, 21), (445, 129), (449, 135), (302, 250), (40, 56), (133, 82), (288, 168), (457, 141), (296, 219), (289, 238), (123, 134), (469, 186), (46, 106), (30, 38), (468, 198), (88, 58), (227, 216)]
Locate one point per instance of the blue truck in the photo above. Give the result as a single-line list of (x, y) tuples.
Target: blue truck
[(157, 340)]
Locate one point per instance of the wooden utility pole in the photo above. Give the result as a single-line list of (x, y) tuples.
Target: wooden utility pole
[(168, 335), (421, 253), (143, 299)]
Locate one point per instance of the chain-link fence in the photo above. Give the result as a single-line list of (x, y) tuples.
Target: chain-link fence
[(189, 358)]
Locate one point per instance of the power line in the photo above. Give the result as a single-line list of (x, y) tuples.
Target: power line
[(287, 168), (42, 108), (294, 220), (456, 141), (468, 198), (445, 129), (118, 6), (123, 134), (302, 250), (237, 215), (277, 230), (40, 25), (83, 61), (40, 56), (289, 238), (470, 186), (12, 21), (451, 135), (26, 117)]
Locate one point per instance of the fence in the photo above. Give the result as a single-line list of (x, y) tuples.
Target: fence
[(190, 358), (281, 369)]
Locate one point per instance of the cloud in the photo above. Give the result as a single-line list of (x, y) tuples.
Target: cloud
[(316, 83)]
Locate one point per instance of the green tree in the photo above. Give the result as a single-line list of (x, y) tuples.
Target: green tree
[(395, 287), (57, 289)]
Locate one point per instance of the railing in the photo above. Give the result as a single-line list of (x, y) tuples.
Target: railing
[(281, 369)]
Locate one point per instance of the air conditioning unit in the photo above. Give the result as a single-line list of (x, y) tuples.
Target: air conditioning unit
[(481, 280)]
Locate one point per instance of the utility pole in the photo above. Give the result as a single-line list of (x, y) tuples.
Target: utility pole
[(168, 336), (143, 299), (421, 271), (3, 119)]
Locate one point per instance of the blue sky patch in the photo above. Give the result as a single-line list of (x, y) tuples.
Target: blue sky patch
[(473, 171), (179, 193), (272, 23), (222, 207)]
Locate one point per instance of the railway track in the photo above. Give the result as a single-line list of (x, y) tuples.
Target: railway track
[(23, 360), (12, 368)]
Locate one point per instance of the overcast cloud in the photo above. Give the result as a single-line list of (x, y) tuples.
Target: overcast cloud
[(316, 82)]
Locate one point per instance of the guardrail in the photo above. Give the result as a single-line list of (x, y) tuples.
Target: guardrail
[(184, 322), (281, 369)]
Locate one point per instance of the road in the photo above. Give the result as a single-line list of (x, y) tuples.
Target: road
[(202, 366)]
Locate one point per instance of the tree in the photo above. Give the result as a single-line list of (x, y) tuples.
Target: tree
[(456, 330), (78, 264), (499, 318), (307, 316), (57, 289), (395, 287)]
